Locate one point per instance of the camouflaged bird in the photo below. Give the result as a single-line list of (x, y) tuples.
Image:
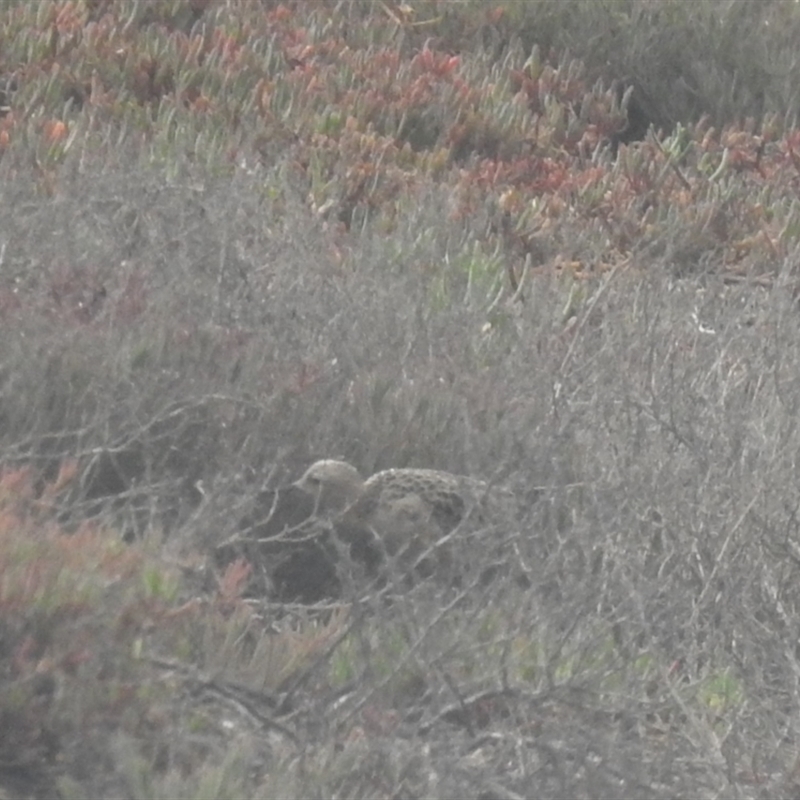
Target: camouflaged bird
[(408, 510)]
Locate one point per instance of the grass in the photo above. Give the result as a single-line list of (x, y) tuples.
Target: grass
[(238, 237)]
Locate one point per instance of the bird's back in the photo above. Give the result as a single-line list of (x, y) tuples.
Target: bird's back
[(411, 514), (447, 498)]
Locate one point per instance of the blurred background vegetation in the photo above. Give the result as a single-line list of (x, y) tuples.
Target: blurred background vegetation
[(550, 244)]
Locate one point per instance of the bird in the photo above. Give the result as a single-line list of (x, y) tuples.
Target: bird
[(410, 512)]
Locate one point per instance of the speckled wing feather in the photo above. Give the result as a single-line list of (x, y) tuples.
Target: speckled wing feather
[(448, 498), (384, 490)]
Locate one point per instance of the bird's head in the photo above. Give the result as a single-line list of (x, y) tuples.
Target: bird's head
[(334, 485)]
